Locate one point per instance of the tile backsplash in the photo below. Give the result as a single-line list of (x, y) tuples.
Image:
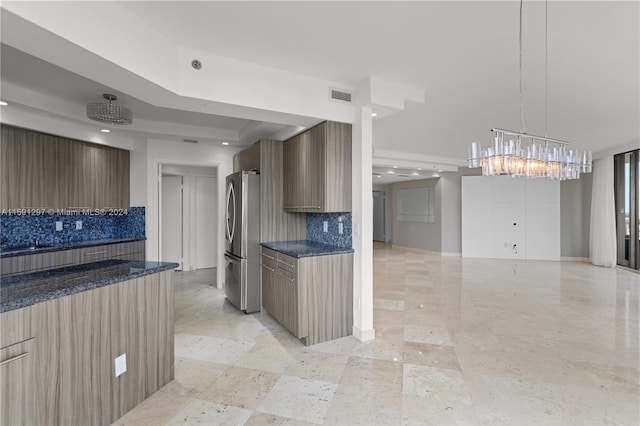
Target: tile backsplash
[(315, 231), (20, 230)]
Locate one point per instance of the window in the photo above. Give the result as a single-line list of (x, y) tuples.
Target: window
[(627, 185)]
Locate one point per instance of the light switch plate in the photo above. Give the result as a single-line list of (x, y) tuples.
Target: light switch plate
[(58, 225), (325, 226), (78, 224), (121, 364)]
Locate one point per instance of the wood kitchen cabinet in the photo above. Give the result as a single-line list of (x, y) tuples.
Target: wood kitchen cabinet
[(312, 296), (17, 383), (46, 171), (68, 376), (131, 250), (317, 169)]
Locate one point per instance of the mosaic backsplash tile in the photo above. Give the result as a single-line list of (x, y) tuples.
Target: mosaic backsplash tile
[(20, 230), (315, 232)]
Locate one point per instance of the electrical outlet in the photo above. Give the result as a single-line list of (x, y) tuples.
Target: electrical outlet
[(58, 225), (121, 364), (325, 226), (340, 227), (78, 224)]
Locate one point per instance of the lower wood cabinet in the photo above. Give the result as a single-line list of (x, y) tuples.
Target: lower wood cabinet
[(17, 402), (311, 296), (68, 376), (133, 250)]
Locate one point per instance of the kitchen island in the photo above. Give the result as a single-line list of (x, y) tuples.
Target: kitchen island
[(64, 333), (308, 287)]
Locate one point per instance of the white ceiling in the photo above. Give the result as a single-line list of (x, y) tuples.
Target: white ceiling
[(465, 55)]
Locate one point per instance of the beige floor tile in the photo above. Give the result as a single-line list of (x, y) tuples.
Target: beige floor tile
[(427, 334), (315, 365), (275, 359), (265, 419), (430, 355), (368, 371), (199, 412), (197, 375), (302, 399), (241, 387), (366, 404), (211, 349)]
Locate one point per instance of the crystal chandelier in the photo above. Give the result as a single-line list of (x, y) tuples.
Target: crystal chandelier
[(529, 155), (109, 112)]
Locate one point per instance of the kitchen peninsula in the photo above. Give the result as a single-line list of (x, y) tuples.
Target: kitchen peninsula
[(84, 344)]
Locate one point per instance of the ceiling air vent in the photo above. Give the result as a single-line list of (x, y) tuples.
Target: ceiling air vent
[(339, 95), (404, 175), (190, 140)]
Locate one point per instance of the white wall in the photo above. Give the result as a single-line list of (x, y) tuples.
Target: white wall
[(420, 235), (510, 218), (575, 208)]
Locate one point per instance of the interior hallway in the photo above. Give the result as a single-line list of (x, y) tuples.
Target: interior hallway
[(457, 341)]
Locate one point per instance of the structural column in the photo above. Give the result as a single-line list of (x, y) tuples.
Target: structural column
[(362, 155)]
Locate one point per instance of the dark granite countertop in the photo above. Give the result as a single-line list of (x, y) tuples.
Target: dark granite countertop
[(304, 248), (21, 251), (19, 291)]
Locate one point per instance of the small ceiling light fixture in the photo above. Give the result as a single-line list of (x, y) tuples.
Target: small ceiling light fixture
[(395, 167), (415, 174), (196, 64), (391, 172), (3, 103), (109, 112), (225, 143), (419, 168), (105, 130), (529, 155), (374, 114)]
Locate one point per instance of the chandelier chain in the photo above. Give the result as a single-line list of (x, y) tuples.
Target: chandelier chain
[(546, 68), (522, 129)]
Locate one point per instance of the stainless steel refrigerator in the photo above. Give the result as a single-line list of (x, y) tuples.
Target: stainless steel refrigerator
[(242, 235)]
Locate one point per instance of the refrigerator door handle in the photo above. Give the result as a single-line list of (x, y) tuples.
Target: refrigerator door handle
[(231, 199)]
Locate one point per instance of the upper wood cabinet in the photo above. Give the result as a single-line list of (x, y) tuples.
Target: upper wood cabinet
[(41, 170), (317, 169), (248, 159)]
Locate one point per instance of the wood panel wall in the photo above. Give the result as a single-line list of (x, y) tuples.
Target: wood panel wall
[(39, 170), (275, 223)]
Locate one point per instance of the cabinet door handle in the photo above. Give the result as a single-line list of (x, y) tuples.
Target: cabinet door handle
[(282, 261), (15, 358), (95, 253), (265, 266), (270, 257), (290, 279), (301, 207)]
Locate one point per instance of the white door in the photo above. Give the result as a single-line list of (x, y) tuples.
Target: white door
[(378, 216), (172, 219), (206, 194)]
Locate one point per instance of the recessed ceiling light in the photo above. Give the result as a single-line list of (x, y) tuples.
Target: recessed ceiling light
[(374, 114), (419, 168), (105, 130), (225, 143), (395, 167), (415, 174), (3, 103), (435, 175), (439, 171), (391, 172), (379, 176)]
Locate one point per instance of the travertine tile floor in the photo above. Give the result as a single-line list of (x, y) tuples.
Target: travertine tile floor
[(458, 341)]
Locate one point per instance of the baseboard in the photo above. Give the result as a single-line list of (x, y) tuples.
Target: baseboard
[(425, 251), (450, 254), (364, 335), (575, 259)]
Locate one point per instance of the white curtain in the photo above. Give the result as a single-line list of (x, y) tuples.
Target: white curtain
[(602, 235)]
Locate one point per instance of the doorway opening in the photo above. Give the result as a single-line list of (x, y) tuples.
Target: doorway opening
[(188, 216)]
